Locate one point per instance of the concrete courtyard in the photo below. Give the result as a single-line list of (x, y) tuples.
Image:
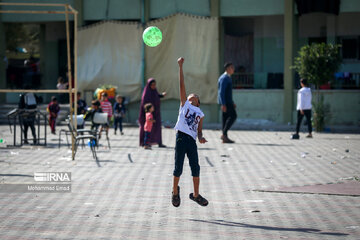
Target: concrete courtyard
[(265, 186)]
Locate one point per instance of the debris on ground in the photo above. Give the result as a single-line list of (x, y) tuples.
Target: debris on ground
[(255, 211), (346, 178), (303, 155)]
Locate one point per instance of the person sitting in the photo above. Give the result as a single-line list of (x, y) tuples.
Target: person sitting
[(89, 115)]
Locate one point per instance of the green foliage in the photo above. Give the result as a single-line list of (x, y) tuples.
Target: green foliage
[(318, 62), (321, 114)]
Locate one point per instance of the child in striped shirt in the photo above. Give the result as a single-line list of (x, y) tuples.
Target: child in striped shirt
[(106, 108)]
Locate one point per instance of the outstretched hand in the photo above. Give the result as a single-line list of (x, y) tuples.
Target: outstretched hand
[(180, 61)]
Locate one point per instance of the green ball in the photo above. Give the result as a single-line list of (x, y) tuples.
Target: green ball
[(152, 36)]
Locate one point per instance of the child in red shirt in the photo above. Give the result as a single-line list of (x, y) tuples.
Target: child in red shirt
[(149, 120), (53, 109)]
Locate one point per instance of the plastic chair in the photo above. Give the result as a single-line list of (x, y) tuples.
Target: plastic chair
[(102, 119), (80, 130), (83, 137)]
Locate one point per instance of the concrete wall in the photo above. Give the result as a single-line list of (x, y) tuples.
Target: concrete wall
[(344, 106), (161, 8), (259, 104), (268, 105), (230, 8), (95, 10), (349, 6)]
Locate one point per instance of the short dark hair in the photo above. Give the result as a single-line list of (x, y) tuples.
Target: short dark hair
[(95, 103), (304, 81), (147, 107), (104, 94), (227, 64), (53, 98)]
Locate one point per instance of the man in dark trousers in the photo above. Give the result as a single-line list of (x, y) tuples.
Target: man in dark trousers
[(225, 100), (28, 107)]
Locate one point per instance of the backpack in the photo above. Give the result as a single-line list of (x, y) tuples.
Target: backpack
[(30, 101)]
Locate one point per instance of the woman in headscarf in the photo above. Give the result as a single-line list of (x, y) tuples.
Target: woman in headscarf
[(151, 95)]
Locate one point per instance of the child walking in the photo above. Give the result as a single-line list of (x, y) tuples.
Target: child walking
[(303, 108), (119, 113), (149, 120), (188, 127), (53, 108)]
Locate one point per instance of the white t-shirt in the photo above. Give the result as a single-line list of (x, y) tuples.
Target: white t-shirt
[(304, 99), (188, 119)]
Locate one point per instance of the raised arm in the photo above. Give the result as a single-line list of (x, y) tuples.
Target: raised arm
[(181, 81)]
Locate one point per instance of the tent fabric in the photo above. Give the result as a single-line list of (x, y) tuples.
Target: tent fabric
[(110, 53), (194, 38)]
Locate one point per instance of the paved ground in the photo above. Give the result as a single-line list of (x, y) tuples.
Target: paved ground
[(126, 193)]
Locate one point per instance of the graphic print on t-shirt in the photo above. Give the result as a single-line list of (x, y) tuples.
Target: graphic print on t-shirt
[(192, 120)]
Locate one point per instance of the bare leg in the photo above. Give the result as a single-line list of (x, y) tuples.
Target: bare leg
[(175, 185), (196, 181), (101, 128)]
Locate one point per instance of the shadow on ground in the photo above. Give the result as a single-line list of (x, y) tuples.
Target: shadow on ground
[(269, 228)]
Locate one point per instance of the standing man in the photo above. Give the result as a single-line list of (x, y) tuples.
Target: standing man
[(28, 109), (225, 100)]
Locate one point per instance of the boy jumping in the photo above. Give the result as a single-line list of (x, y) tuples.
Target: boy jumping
[(188, 127)]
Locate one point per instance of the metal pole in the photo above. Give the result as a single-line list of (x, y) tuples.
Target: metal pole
[(15, 130), (34, 12), (143, 22), (70, 81)]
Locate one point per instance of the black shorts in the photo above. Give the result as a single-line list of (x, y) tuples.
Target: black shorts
[(185, 144)]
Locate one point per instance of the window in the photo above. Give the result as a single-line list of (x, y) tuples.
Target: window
[(350, 48), (317, 40)]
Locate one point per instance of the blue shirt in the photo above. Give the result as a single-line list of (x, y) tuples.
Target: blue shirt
[(225, 90)]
